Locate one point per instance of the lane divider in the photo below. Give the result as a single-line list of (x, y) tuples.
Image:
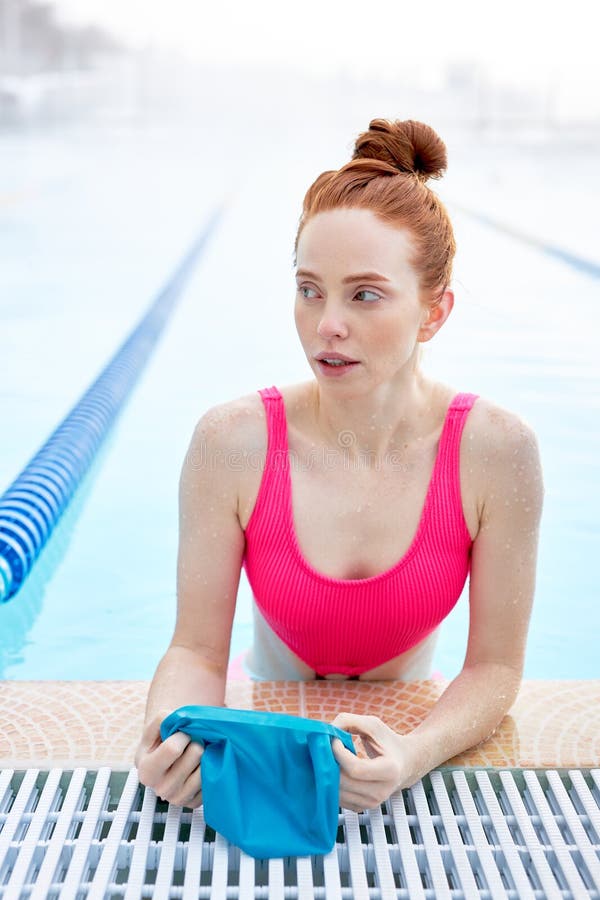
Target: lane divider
[(588, 266), (33, 504)]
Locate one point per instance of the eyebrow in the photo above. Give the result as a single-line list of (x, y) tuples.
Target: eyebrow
[(349, 279)]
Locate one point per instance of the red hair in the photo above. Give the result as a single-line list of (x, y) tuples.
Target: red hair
[(386, 175)]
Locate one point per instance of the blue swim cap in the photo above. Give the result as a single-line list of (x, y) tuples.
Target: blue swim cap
[(270, 782)]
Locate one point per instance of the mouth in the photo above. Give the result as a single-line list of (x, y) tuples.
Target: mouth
[(336, 368), (337, 363)]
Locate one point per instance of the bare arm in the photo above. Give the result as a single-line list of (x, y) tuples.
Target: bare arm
[(502, 586), (211, 545)]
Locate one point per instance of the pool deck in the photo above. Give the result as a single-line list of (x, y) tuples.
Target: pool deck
[(43, 724)]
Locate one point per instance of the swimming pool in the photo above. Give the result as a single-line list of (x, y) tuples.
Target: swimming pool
[(76, 277)]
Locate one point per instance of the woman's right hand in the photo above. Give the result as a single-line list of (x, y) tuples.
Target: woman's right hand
[(171, 767)]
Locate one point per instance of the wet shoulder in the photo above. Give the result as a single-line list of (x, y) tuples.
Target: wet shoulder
[(498, 447), (236, 426), (240, 425)]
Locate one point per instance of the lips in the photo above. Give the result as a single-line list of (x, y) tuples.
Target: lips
[(341, 356)]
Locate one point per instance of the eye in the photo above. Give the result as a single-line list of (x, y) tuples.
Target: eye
[(305, 288), (372, 293)]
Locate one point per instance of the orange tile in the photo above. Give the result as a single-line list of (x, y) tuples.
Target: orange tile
[(92, 723)]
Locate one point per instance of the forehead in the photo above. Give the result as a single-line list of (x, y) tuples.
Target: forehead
[(354, 237)]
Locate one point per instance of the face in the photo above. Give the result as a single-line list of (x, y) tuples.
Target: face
[(358, 295)]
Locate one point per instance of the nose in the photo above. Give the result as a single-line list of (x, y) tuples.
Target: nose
[(332, 323)]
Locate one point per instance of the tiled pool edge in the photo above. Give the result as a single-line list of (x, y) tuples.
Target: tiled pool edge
[(67, 724)]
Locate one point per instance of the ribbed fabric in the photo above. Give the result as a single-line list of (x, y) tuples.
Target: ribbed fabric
[(349, 626)]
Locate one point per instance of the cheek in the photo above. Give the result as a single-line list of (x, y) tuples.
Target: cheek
[(302, 316), (297, 314), (395, 342)]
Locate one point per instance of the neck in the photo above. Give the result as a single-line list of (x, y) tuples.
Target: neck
[(370, 428)]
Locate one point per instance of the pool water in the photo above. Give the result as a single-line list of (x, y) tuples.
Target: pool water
[(94, 220)]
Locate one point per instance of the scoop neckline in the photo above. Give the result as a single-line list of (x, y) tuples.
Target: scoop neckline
[(420, 530)]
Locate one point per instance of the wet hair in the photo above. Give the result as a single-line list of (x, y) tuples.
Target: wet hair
[(386, 175)]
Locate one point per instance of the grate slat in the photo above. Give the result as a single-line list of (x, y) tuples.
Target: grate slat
[(137, 866), (73, 801), (383, 863), (108, 858), (193, 866), (89, 830), (23, 801), (29, 843), (166, 866), (532, 843), (305, 878), (220, 869), (276, 879), (247, 876), (586, 798), (358, 875), (488, 864), (410, 868), (511, 855), (331, 874), (465, 872), (435, 865), (582, 841), (459, 834), (561, 850)]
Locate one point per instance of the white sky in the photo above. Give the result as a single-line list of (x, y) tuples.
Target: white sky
[(527, 42)]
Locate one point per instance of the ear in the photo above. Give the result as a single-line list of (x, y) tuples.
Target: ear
[(435, 316)]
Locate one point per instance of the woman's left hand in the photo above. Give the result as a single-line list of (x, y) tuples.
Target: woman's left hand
[(392, 763)]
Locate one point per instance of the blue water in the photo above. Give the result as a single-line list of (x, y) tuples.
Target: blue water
[(93, 220)]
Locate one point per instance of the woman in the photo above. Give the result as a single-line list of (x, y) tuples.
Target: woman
[(400, 486)]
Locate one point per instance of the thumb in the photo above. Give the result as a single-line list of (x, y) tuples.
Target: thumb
[(151, 738), (355, 723), (340, 752)]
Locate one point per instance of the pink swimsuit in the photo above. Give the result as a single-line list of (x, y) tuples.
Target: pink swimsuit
[(349, 626)]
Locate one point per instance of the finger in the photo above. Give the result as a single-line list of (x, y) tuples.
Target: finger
[(360, 768), (345, 758), (181, 794), (195, 801), (352, 801), (362, 799), (353, 722), (366, 726), (151, 733), (172, 749), (183, 778), (340, 752), (155, 764)]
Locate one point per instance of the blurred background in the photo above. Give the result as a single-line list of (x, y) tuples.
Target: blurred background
[(125, 125)]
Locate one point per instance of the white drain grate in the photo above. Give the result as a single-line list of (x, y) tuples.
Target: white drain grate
[(459, 833)]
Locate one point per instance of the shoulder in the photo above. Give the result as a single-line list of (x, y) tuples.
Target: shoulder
[(502, 453), (234, 425), (498, 432)]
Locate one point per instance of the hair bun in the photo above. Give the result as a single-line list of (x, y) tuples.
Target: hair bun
[(409, 146)]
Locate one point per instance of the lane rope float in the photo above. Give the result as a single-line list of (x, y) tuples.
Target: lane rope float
[(32, 505)]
